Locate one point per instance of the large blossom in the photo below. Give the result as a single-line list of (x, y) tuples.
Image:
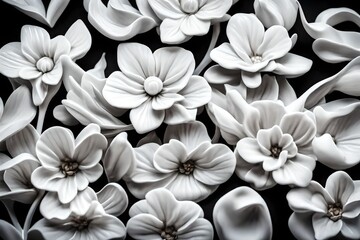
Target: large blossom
[(36, 59), (254, 50), (188, 164), (273, 145), (68, 164), (156, 86), (182, 19), (323, 213), (162, 216)]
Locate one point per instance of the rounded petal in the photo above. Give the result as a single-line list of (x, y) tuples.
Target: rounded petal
[(35, 42), (106, 227), (197, 92), (80, 43), (200, 229), (178, 114), (144, 226), (50, 230), (12, 60), (242, 214), (213, 9), (169, 156), (292, 65), (194, 26), (113, 198), (145, 119), (166, 9), (170, 32), (340, 186), (301, 227), (324, 227), (250, 151)]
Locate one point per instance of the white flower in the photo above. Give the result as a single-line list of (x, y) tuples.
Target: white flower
[(182, 19), (36, 9), (36, 59), (254, 50), (337, 144), (119, 20), (162, 216), (157, 87), (17, 112), (68, 164), (112, 197), (242, 214), (95, 223), (188, 164), (84, 102), (322, 213), (276, 12)]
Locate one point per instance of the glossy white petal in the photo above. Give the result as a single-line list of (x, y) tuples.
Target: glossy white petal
[(145, 119), (113, 198), (80, 39), (13, 60), (197, 92)]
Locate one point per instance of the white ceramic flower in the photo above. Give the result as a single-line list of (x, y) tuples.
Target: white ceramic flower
[(36, 59), (242, 214), (36, 9), (157, 87), (254, 50), (182, 19), (17, 112), (187, 164), (119, 20), (112, 197), (323, 213), (162, 216), (68, 164), (272, 144), (337, 144), (276, 12), (85, 103), (95, 223)]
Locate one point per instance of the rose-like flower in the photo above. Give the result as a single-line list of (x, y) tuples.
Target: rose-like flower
[(182, 19), (68, 164), (276, 12), (162, 216), (157, 87), (242, 214), (187, 164), (254, 50), (337, 144), (323, 213), (36, 59), (95, 223), (85, 103)]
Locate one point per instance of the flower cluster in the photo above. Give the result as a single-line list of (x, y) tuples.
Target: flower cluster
[(153, 142)]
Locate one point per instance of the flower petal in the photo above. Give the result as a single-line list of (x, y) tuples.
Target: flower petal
[(292, 65), (80, 39), (35, 42), (166, 9), (12, 60), (213, 9), (145, 119), (49, 230), (178, 114), (144, 226), (106, 227), (250, 151), (170, 32), (324, 227), (340, 186), (113, 198), (169, 156), (200, 229), (54, 76), (197, 92), (8, 231), (165, 101), (301, 227), (193, 26)]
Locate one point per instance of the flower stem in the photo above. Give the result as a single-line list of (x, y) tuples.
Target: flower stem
[(41, 116), (31, 212), (9, 205), (206, 60)]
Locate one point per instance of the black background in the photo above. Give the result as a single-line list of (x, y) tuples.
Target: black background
[(11, 21)]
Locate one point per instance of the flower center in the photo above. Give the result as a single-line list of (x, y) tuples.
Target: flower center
[(189, 6), (335, 211), (169, 233), (80, 223), (69, 167), (275, 151), (153, 85), (187, 167), (256, 59), (45, 64)]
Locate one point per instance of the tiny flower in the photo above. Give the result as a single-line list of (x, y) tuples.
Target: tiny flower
[(276, 12), (254, 50), (68, 164), (157, 87), (95, 223), (188, 165), (36, 59), (323, 213), (182, 19), (162, 216)]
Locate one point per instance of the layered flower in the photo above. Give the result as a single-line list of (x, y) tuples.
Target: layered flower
[(254, 50), (162, 216), (337, 143), (36, 59), (182, 19), (242, 214), (276, 12), (68, 164), (326, 212), (95, 223), (85, 103), (273, 145), (188, 164), (157, 87)]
